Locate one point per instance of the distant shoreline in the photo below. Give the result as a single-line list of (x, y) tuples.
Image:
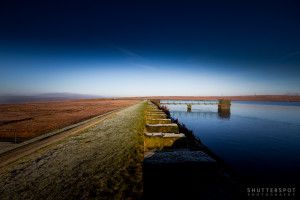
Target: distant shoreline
[(286, 98), (283, 98), (38, 99)]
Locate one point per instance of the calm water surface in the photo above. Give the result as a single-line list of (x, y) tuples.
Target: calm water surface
[(259, 140)]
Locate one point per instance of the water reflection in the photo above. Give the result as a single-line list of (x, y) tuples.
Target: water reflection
[(200, 115), (225, 114), (260, 140)]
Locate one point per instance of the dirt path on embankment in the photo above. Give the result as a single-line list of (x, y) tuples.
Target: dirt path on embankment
[(104, 161)]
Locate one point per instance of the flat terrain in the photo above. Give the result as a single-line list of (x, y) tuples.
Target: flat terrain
[(29, 120), (103, 161)]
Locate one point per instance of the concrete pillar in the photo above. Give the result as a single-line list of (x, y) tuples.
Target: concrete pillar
[(224, 106), (189, 107)]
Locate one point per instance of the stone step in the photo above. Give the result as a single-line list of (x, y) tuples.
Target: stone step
[(154, 112), (152, 108), (163, 128), (159, 141), (156, 116), (165, 135), (152, 105), (159, 121), (179, 157), (183, 174)]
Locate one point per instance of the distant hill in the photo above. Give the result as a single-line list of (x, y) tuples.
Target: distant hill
[(5, 99)]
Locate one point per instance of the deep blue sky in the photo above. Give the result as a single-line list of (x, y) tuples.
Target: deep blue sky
[(133, 48)]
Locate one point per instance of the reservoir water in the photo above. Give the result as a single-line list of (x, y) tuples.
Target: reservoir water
[(260, 141)]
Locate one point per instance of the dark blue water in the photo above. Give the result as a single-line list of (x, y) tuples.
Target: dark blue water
[(259, 140)]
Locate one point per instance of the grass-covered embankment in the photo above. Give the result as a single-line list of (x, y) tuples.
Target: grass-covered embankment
[(102, 162)]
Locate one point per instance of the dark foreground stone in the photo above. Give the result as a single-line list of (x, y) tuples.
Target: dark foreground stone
[(185, 175)]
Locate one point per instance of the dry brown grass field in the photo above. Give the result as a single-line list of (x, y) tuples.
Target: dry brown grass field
[(29, 120)]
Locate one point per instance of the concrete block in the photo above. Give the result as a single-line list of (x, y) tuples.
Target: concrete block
[(158, 141), (156, 116), (154, 112), (179, 157), (163, 128), (159, 121), (152, 109), (165, 135)]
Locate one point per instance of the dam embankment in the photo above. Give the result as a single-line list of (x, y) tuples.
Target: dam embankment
[(137, 152), (103, 161), (177, 166)]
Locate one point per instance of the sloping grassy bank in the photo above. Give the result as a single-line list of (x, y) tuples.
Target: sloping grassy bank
[(102, 162)]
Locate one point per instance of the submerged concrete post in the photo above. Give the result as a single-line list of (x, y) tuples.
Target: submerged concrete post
[(189, 107)]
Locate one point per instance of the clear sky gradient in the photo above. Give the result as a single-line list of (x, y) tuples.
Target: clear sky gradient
[(143, 48)]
